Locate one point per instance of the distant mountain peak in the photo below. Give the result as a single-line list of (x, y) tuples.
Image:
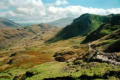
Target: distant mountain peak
[(4, 22), (62, 22)]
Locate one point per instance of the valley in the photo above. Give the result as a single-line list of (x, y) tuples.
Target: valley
[(83, 50)]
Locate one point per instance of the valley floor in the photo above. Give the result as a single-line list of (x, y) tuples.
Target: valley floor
[(38, 62)]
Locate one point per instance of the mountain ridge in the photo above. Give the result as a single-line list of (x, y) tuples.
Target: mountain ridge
[(62, 22), (4, 22), (81, 26), (9, 35), (104, 29)]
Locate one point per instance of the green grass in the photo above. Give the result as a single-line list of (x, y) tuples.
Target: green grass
[(48, 70), (80, 27), (99, 70), (53, 70), (12, 73), (56, 69), (100, 32)]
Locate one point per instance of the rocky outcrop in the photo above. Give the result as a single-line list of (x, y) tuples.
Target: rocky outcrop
[(23, 76), (13, 54), (63, 56), (60, 59), (63, 53), (111, 58)]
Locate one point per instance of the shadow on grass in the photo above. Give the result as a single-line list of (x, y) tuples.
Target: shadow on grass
[(86, 77)]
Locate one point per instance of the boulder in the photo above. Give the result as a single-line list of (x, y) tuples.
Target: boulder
[(63, 56), (60, 59), (13, 54), (63, 53)]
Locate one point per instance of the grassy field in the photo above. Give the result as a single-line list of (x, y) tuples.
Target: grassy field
[(37, 63)]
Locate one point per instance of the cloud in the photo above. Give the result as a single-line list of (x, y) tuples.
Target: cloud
[(61, 2), (35, 11), (28, 7), (3, 4), (114, 10)]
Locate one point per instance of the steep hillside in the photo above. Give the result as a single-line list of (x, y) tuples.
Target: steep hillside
[(8, 23), (104, 29), (81, 26), (109, 43), (62, 22), (114, 47), (7, 35)]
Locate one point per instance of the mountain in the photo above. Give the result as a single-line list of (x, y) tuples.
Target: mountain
[(81, 26), (109, 43), (62, 22), (28, 57), (8, 23), (104, 29), (10, 36)]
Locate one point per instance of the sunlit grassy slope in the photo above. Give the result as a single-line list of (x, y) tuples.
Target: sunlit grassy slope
[(34, 55), (35, 59), (32, 68)]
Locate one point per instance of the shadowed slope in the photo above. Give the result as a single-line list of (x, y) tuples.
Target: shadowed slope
[(81, 26), (104, 29)]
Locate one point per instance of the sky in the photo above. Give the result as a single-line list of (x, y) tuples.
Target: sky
[(42, 11)]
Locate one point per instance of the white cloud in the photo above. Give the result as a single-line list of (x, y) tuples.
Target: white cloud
[(3, 4), (35, 11), (28, 7), (26, 3), (61, 2), (114, 10)]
